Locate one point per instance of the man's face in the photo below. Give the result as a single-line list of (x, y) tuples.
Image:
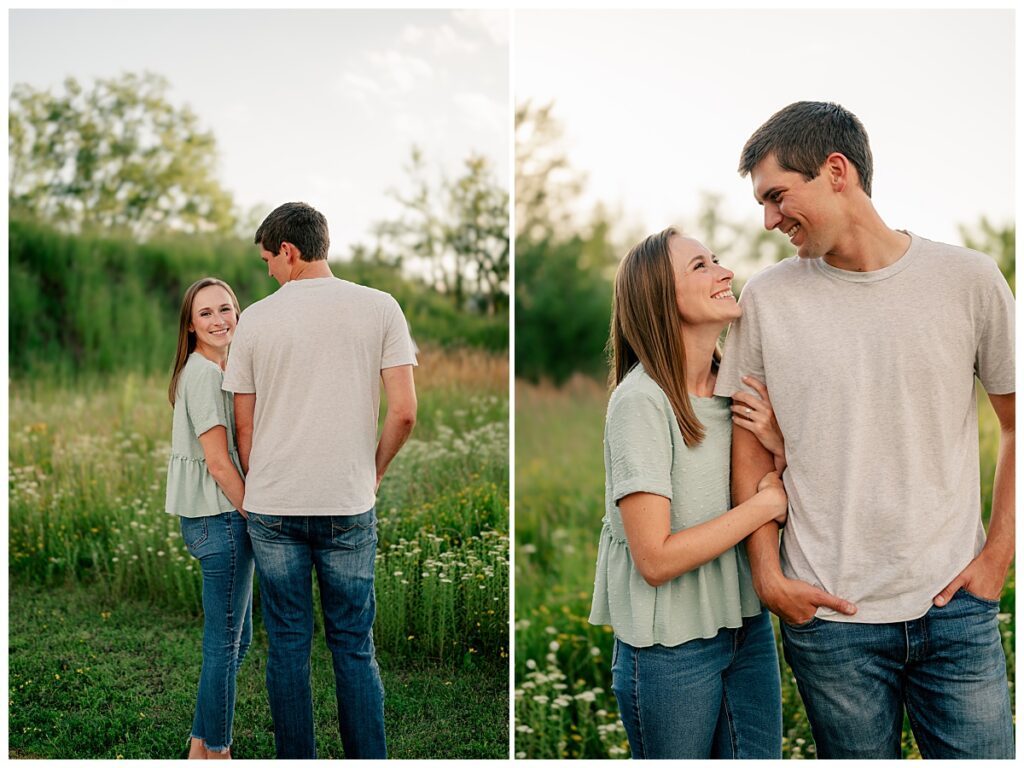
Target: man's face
[(277, 264), (804, 211)]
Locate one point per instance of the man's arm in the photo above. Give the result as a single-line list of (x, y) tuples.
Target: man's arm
[(985, 575), (793, 601), (245, 413), (400, 417)]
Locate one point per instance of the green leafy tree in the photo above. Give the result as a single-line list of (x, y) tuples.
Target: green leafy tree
[(563, 270), (545, 183), (455, 232), (118, 157), (999, 242)]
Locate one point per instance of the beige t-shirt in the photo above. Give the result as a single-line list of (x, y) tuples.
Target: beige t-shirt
[(871, 375), (312, 352)]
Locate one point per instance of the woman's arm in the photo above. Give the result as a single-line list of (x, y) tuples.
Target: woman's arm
[(661, 555), (223, 470)]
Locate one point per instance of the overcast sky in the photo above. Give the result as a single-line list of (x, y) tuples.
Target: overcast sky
[(657, 105), (321, 106)]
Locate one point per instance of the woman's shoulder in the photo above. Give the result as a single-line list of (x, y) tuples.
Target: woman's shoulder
[(199, 374), (637, 388)]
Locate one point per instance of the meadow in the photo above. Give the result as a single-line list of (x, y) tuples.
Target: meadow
[(564, 706), (89, 542)]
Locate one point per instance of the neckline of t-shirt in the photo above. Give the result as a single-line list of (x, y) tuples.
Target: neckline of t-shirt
[(310, 281), (694, 399), (904, 261)]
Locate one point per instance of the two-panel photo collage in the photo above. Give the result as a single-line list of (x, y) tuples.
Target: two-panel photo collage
[(507, 384)]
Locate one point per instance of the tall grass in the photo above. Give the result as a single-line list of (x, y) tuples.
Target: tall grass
[(87, 304), (87, 469), (564, 707)]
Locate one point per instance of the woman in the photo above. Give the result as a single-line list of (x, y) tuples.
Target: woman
[(694, 668), (205, 488)]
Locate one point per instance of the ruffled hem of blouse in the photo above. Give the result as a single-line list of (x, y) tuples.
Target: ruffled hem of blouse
[(191, 489), (696, 604)]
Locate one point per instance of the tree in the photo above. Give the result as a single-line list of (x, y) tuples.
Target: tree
[(545, 183), (118, 158), (563, 268), (998, 242), (455, 232)]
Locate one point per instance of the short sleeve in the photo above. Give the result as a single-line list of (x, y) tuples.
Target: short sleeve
[(742, 354), (994, 358), (397, 347), (639, 442), (238, 377), (204, 400)]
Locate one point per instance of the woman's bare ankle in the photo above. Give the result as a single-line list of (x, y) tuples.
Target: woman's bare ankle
[(196, 749)]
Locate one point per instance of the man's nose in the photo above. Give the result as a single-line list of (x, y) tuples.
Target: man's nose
[(772, 216)]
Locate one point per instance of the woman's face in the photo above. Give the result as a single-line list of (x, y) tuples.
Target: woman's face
[(213, 317), (703, 287)]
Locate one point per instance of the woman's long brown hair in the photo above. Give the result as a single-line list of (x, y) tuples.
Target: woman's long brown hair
[(187, 338), (646, 328)]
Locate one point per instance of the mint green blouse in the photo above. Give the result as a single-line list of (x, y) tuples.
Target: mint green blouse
[(644, 451), (199, 405)]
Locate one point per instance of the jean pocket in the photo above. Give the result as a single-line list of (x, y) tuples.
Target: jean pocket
[(265, 527), (353, 531), (194, 532), (978, 598), (814, 622)]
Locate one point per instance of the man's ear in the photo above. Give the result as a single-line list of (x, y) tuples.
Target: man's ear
[(291, 253), (839, 171)]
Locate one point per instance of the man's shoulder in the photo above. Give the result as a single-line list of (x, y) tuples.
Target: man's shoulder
[(959, 258)]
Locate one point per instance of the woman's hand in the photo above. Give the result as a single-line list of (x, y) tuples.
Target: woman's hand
[(755, 414), (771, 489)]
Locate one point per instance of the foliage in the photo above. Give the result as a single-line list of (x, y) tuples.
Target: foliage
[(564, 706), (563, 278), (999, 242), (545, 182), (90, 304), (458, 233), (119, 157), (93, 677)]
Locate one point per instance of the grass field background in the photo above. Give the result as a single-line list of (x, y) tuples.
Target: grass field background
[(564, 706), (90, 549)]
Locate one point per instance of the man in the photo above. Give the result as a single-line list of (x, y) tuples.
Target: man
[(305, 366), (869, 342)]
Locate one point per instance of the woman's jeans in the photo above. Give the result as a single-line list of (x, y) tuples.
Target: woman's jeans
[(947, 669), (719, 697), (221, 544)]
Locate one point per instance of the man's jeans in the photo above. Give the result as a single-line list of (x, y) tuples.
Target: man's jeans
[(342, 550), (947, 668), (718, 697), (222, 547)]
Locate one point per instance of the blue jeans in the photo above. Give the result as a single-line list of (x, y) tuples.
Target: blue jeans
[(719, 697), (342, 549), (947, 668), (221, 545)]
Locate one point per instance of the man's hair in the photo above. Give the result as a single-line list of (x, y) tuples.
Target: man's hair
[(299, 224), (804, 134)]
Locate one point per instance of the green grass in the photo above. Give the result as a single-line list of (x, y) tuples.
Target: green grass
[(564, 706), (87, 467), (97, 678)]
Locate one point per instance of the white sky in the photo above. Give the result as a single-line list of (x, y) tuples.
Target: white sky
[(321, 106), (657, 105)]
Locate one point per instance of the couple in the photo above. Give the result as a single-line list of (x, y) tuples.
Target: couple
[(275, 459), (884, 582)]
